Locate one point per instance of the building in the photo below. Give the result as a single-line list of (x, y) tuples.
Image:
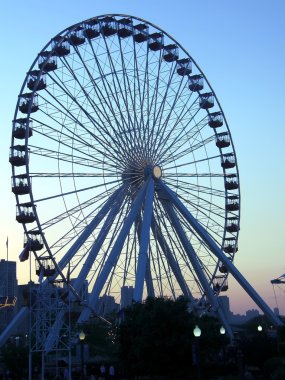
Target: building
[(106, 305), (8, 291), (127, 294)]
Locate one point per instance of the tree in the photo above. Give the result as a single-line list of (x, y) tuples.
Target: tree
[(15, 359), (155, 338)]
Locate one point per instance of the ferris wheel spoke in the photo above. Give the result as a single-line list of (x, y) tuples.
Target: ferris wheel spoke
[(138, 104), (185, 118), (187, 215), (72, 175), (115, 252), (131, 92), (108, 100), (117, 84), (47, 130), (193, 162), (207, 259), (185, 186), (205, 219), (152, 94), (179, 154), (75, 191), (65, 157), (202, 210), (67, 112), (145, 106), (101, 113), (193, 175), (72, 148), (98, 199), (163, 125)]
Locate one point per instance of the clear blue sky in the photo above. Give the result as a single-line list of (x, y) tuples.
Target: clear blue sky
[(239, 45)]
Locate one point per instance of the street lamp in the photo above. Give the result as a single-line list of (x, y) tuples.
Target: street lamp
[(81, 339), (259, 328), (196, 350), (197, 331), (222, 330)]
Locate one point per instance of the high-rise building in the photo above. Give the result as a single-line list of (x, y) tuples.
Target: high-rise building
[(127, 294), (106, 305), (8, 291)]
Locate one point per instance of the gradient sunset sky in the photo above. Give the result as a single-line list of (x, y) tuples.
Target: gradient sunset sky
[(239, 45)]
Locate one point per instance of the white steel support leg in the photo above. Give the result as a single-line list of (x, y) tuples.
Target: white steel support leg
[(144, 242), (196, 265), (87, 232), (116, 250), (221, 256)]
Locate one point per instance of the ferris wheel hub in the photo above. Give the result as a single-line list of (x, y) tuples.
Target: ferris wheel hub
[(152, 170), (157, 172)]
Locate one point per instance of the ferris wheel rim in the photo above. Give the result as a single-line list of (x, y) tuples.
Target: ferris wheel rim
[(68, 30)]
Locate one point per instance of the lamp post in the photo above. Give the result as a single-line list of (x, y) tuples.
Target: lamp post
[(81, 339), (196, 350)]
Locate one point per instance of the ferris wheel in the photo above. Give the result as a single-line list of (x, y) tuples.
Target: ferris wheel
[(123, 166)]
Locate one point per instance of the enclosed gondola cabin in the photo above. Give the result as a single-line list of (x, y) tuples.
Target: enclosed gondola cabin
[(230, 245), (184, 66), (25, 213), (215, 119), (196, 82), (141, 33), (232, 224), (47, 62), (28, 103), (220, 284), (60, 46), (36, 81), (206, 100), (223, 140), (222, 268), (91, 29), (21, 127), (232, 203), (125, 27), (108, 26), (34, 240), (18, 155), (45, 267), (20, 184), (155, 41), (76, 37), (231, 182), (228, 161), (170, 53)]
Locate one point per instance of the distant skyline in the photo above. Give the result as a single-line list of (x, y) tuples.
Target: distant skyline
[(239, 47)]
